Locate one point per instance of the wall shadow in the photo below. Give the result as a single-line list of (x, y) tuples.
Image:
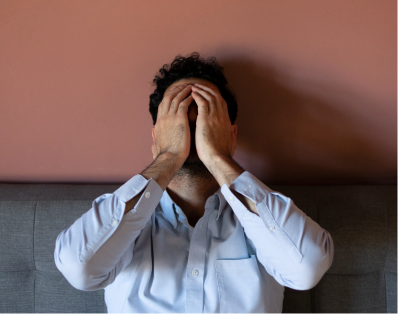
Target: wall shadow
[(289, 136)]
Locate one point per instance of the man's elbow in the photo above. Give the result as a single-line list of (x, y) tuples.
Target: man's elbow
[(309, 278), (87, 284), (79, 278), (313, 268), (77, 273)]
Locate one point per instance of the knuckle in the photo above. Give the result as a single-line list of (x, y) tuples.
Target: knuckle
[(174, 102), (167, 98)]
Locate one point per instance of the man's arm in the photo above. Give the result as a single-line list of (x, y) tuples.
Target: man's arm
[(99, 245), (225, 170), (169, 154), (293, 248), (216, 138), (162, 170)]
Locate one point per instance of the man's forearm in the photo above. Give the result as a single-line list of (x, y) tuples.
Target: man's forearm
[(225, 171), (162, 170)]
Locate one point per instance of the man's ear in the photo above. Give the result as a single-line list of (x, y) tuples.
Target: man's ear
[(153, 133), (234, 135)]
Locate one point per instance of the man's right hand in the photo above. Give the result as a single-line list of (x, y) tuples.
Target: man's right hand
[(171, 131), (172, 139)]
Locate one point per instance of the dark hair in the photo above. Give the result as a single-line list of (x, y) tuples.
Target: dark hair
[(192, 66)]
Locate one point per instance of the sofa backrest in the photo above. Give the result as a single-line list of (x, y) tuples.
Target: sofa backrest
[(361, 219)]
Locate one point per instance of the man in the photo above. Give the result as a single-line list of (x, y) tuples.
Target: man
[(193, 232)]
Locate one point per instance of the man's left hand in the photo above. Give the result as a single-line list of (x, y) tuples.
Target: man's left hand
[(214, 135), (215, 139)]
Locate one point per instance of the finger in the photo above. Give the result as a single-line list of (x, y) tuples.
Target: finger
[(179, 98), (209, 97), (216, 93), (207, 89), (164, 106), (203, 106), (184, 105), (174, 89)]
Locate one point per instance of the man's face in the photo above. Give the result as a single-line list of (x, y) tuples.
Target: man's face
[(193, 164)]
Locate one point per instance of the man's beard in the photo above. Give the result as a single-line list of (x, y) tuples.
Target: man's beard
[(193, 167)]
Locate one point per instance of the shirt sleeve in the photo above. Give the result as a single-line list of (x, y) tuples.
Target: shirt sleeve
[(99, 245), (292, 247)]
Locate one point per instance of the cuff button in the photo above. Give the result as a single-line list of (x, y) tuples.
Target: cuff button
[(147, 194)]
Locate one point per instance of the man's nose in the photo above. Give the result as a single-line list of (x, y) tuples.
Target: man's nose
[(192, 111)]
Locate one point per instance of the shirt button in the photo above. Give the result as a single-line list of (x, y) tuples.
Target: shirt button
[(272, 228), (195, 272), (248, 187), (231, 198), (147, 194), (114, 222)]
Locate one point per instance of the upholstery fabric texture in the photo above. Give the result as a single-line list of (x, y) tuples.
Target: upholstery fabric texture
[(361, 219)]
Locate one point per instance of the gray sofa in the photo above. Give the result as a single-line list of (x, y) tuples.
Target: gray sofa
[(361, 219)]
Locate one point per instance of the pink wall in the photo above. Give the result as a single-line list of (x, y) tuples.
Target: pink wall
[(316, 83)]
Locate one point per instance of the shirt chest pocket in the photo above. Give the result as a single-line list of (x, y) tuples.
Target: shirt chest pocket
[(240, 286)]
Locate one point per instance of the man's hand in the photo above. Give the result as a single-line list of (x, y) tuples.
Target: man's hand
[(171, 131), (215, 137), (172, 139), (213, 126)]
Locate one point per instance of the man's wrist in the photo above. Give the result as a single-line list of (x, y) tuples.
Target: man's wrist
[(162, 169), (224, 169)]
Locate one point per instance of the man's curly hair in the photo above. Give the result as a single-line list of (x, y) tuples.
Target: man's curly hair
[(192, 66)]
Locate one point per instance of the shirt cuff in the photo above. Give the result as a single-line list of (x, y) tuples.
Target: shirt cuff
[(131, 188), (149, 199), (249, 186)]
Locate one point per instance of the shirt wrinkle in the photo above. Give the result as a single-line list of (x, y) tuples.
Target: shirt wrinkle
[(238, 263)]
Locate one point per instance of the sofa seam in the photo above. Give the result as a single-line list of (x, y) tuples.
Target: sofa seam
[(385, 261), (34, 260)]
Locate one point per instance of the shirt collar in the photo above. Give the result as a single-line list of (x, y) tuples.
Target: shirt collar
[(168, 206)]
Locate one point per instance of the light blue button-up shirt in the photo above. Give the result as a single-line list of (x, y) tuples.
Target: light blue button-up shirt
[(151, 260)]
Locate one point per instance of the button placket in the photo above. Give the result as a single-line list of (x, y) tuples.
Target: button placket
[(196, 266)]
